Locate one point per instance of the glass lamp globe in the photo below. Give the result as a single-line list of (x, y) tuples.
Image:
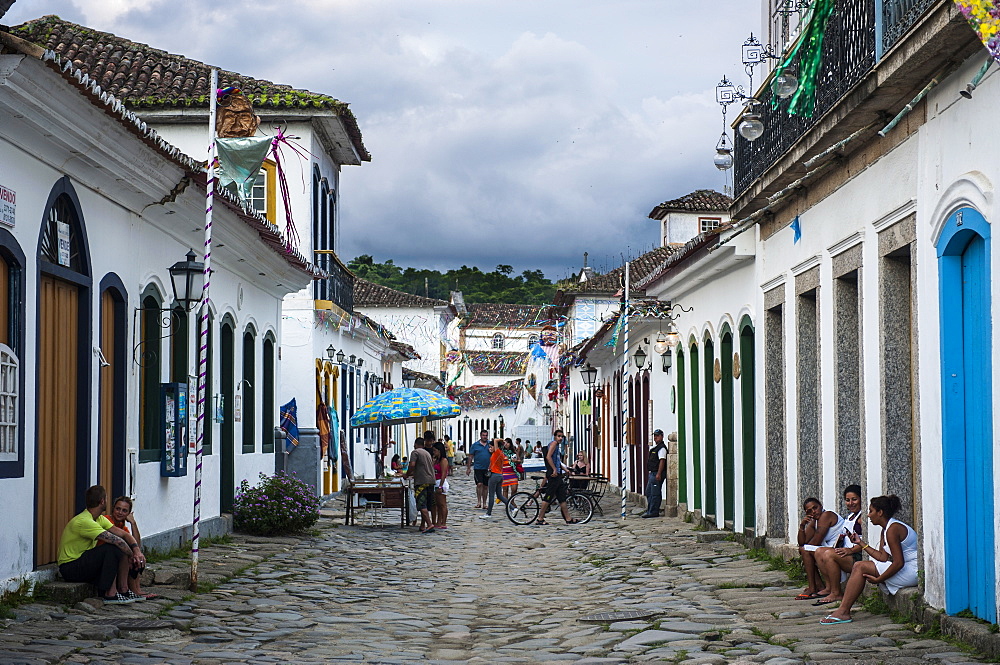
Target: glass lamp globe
[(785, 85), (661, 345), (751, 128), (723, 159)]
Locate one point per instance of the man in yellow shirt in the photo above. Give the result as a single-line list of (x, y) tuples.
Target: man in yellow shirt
[(80, 560)]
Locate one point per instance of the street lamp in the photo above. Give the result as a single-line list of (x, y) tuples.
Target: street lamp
[(330, 352), (409, 380), (340, 357), (361, 361), (589, 374), (351, 359), (640, 358), (547, 412), (668, 359), (500, 419), (187, 279)]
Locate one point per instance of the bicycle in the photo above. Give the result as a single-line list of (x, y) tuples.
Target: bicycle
[(524, 508)]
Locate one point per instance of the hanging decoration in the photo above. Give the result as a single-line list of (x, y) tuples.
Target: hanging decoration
[(290, 423), (486, 397), (453, 356), (235, 117), (240, 160), (803, 101), (984, 17)]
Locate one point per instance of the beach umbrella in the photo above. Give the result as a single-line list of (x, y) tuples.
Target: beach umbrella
[(405, 405)]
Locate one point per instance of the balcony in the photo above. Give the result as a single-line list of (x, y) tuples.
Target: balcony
[(863, 79), (338, 288)]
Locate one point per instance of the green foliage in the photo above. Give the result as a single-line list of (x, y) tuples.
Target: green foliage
[(24, 593), (279, 504), (531, 287), (185, 549), (792, 568), (875, 603)]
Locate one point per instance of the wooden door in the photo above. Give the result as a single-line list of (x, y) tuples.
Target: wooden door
[(108, 462), (58, 345)]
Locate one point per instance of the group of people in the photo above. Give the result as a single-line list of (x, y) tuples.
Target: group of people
[(104, 550), (832, 546), (429, 466)]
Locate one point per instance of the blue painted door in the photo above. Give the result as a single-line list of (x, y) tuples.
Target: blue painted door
[(967, 426)]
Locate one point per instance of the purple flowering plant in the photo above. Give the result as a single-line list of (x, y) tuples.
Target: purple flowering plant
[(279, 504)]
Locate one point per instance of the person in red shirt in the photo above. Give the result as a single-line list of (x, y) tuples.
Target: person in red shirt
[(497, 459)]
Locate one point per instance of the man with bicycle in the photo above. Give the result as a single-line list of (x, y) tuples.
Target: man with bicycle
[(555, 484)]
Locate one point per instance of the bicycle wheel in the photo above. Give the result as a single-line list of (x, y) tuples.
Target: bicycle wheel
[(522, 508), (580, 507)]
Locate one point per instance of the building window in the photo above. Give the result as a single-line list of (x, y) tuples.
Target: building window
[(262, 196), (60, 242), (248, 388), (267, 405), (151, 334), (498, 342), (532, 340), (708, 224), (9, 385)]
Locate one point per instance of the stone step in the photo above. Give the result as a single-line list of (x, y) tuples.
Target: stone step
[(67, 593), (712, 536)]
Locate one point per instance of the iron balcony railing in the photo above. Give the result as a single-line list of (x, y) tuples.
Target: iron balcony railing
[(338, 287), (858, 33)]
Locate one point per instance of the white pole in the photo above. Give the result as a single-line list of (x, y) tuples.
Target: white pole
[(203, 329), (624, 447)]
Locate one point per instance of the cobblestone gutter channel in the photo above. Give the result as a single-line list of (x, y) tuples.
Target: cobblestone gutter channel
[(483, 591)]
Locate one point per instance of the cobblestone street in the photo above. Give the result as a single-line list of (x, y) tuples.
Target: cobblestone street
[(484, 591)]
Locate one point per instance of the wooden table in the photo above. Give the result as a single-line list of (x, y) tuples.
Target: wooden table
[(392, 494)]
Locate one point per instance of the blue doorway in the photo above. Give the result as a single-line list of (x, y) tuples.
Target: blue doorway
[(967, 414)]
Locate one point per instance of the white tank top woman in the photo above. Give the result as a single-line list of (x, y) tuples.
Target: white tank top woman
[(834, 533), (907, 575)]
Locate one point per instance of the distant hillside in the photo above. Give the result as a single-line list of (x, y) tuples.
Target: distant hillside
[(531, 287)]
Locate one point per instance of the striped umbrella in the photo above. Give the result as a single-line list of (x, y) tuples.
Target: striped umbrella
[(405, 405)]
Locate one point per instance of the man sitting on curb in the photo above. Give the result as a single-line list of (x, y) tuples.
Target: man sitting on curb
[(80, 560)]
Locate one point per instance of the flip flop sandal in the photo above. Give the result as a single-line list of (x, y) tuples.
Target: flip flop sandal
[(541, 523), (831, 620), (825, 602), (806, 596), (572, 521)]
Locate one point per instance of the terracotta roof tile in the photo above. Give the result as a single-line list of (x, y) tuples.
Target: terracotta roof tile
[(478, 397), (497, 362), (370, 294), (611, 282), (489, 315), (701, 200), (149, 78)]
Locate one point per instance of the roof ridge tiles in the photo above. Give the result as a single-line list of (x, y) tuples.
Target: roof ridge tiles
[(124, 67)]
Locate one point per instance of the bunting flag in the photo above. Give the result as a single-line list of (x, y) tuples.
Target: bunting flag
[(796, 227), (810, 45), (290, 423), (984, 17), (240, 160)]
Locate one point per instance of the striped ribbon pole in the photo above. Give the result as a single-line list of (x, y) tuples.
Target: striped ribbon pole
[(624, 448), (203, 329)]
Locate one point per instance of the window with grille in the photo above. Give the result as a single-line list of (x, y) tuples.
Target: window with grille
[(9, 382), (708, 223), (498, 342)]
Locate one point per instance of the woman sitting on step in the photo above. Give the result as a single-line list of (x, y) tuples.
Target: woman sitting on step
[(893, 565), (836, 563), (819, 528)]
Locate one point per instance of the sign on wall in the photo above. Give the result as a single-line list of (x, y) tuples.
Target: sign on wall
[(7, 200), (62, 233)]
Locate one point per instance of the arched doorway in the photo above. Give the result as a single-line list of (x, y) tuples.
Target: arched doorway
[(967, 408), (710, 467), (748, 422), (728, 433), (62, 470)]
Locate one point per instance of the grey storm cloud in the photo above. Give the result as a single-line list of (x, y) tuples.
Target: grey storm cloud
[(501, 131)]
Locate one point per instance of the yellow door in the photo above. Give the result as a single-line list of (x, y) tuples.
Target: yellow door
[(57, 414)]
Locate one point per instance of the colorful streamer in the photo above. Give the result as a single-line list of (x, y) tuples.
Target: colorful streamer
[(803, 100)]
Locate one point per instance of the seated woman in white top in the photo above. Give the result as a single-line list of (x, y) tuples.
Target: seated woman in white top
[(835, 563), (819, 528), (891, 569)]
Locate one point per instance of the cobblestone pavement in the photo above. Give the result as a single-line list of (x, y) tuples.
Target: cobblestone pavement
[(484, 591)]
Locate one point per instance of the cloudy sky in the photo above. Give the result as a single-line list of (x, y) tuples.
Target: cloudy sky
[(523, 132)]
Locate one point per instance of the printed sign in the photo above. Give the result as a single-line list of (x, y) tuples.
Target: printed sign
[(62, 233), (193, 416), (7, 200)]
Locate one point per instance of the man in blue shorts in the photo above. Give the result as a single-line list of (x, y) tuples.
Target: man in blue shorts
[(479, 461), (421, 469)]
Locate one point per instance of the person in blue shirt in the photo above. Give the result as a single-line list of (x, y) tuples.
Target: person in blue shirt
[(479, 461)]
